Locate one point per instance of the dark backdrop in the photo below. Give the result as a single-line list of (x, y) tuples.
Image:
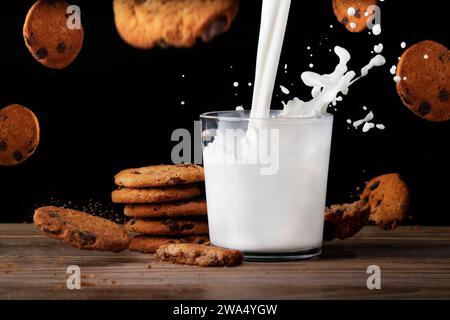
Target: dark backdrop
[(116, 107)]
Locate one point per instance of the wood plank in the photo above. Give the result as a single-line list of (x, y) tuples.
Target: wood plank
[(415, 263)]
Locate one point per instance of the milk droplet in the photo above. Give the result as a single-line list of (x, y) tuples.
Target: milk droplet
[(351, 11), (285, 66), (349, 121), (381, 126), (311, 65), (405, 78), (426, 57), (366, 127), (366, 14), (308, 48), (403, 45), (331, 26), (284, 90), (353, 25), (249, 84), (236, 84), (378, 48), (397, 79), (183, 103), (364, 108), (376, 29), (239, 108), (393, 70), (182, 75)]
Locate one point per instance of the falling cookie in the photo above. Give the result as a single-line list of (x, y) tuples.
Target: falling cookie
[(354, 14), (424, 70), (168, 227), (149, 244), (388, 198), (186, 208), (47, 34), (346, 220), (155, 195), (81, 230), (200, 255), (19, 134), (178, 23), (160, 176)]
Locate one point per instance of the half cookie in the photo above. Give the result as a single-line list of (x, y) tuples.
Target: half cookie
[(81, 230)]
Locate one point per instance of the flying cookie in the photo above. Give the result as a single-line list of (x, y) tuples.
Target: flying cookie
[(81, 230), (360, 15), (388, 198), (19, 134), (47, 34), (424, 70), (178, 23)]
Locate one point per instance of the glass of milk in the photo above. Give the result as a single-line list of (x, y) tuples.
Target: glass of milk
[(266, 182)]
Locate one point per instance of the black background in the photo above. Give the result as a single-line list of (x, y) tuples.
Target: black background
[(116, 107)]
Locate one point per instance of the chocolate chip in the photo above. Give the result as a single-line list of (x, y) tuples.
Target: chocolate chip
[(17, 155), (61, 47), (407, 100), (52, 214), (357, 14), (214, 29), (136, 172), (340, 213), (172, 225), (424, 108), (374, 186), (132, 221), (443, 95), (86, 238), (378, 203), (176, 180), (42, 53), (344, 21), (30, 40), (31, 149), (3, 145), (187, 226)]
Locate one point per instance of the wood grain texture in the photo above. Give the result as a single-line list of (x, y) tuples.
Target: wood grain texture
[(415, 263)]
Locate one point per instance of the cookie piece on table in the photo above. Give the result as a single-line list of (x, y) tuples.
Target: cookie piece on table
[(187, 208), (19, 134), (424, 69), (345, 220), (200, 255), (149, 244), (155, 195), (168, 227), (358, 21), (48, 37), (177, 23), (388, 198), (160, 176), (81, 230)]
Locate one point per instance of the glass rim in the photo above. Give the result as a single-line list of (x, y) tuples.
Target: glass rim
[(216, 115)]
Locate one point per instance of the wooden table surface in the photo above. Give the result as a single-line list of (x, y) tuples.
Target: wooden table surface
[(414, 262)]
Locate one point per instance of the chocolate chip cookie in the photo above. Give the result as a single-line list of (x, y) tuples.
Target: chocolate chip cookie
[(200, 255), (361, 15), (388, 198), (48, 36), (145, 24), (19, 134), (168, 227), (149, 244), (424, 69), (345, 220), (154, 195), (189, 208), (81, 230), (160, 176)]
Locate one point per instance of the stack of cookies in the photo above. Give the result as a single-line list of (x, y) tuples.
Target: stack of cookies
[(164, 205)]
